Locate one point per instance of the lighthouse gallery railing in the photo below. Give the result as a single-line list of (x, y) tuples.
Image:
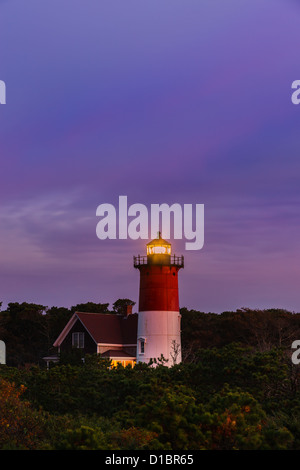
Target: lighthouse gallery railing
[(143, 259)]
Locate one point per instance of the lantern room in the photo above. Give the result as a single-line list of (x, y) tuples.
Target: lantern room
[(158, 251), (158, 246)]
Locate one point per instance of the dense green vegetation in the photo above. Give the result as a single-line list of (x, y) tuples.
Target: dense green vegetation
[(236, 388)]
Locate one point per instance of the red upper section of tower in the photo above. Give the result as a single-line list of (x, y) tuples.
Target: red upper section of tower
[(158, 288)]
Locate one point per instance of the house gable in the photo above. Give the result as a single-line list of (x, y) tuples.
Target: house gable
[(102, 332), (90, 347)]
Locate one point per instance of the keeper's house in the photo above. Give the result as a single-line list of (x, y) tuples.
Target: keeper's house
[(113, 336)]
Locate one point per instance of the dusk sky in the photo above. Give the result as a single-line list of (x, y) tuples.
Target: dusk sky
[(165, 101)]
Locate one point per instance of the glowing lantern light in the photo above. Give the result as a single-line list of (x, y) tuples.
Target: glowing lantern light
[(159, 246)]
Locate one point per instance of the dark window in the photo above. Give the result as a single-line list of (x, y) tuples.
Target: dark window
[(78, 340), (142, 346)]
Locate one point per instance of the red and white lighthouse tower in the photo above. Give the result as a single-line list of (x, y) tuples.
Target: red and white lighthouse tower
[(159, 320)]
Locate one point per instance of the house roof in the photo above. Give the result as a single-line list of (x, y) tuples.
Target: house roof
[(104, 328), (117, 354)]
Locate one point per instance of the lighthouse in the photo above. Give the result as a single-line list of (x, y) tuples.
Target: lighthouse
[(159, 320)]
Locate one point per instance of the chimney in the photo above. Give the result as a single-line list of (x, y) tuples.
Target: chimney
[(128, 310)]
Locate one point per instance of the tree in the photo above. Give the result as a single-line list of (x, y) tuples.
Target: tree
[(120, 305), (234, 420), (20, 426), (55, 320), (175, 350), (23, 326)]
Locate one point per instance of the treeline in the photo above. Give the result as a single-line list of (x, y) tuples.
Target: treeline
[(29, 330), (260, 329)]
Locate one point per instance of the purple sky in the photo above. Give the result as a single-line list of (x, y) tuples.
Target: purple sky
[(182, 101)]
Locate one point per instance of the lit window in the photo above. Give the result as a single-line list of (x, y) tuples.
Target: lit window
[(78, 340), (159, 250)]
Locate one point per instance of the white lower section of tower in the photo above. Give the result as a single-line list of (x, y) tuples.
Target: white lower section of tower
[(159, 333)]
